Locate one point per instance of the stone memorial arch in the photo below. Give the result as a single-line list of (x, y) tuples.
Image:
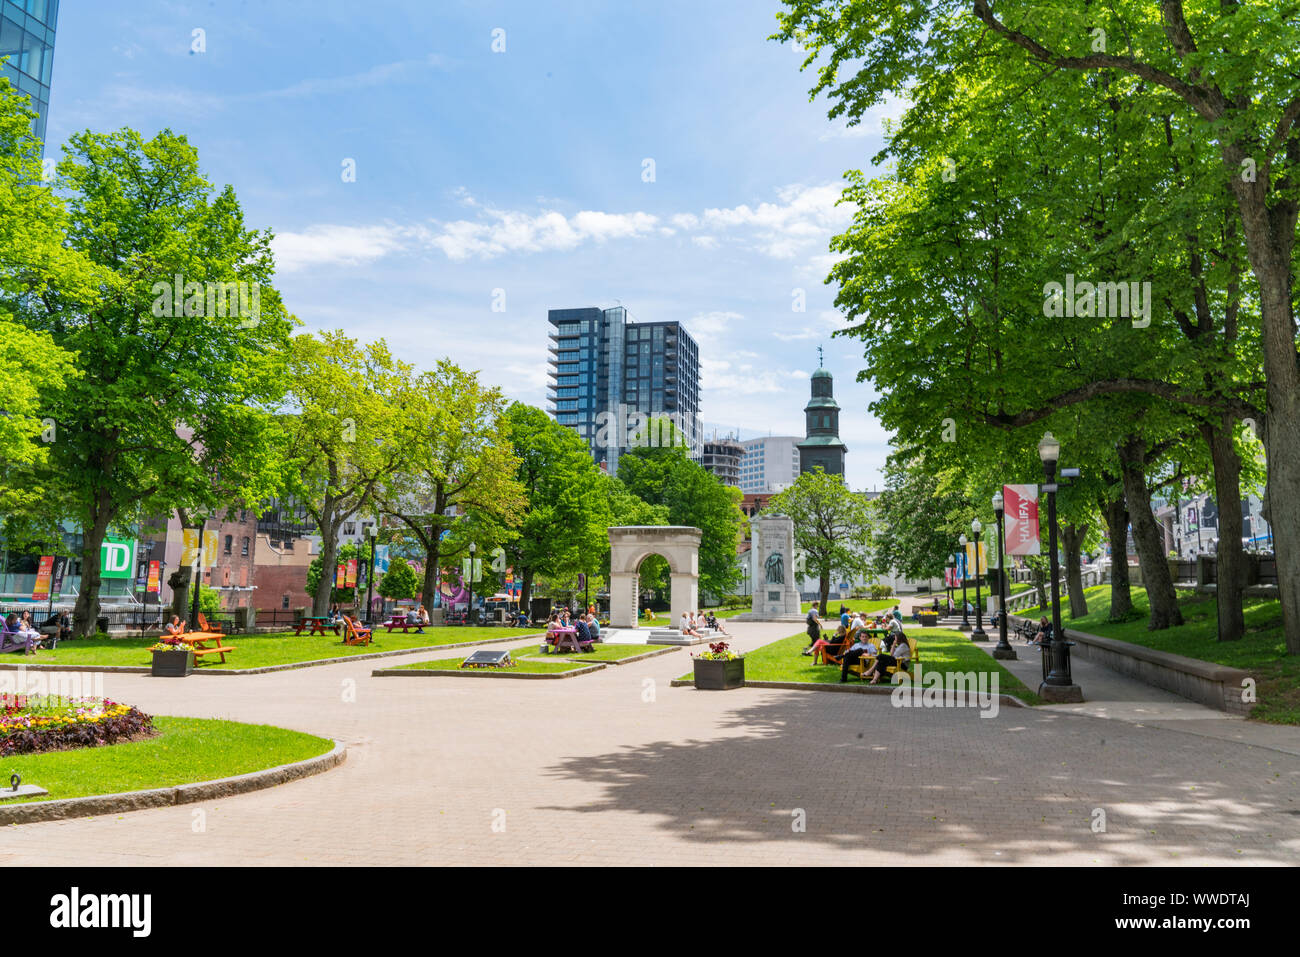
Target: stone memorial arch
[(629, 546)]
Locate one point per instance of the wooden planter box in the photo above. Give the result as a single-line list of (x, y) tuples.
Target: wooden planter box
[(719, 675), (172, 664), (928, 621)]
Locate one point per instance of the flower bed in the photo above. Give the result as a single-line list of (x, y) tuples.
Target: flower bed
[(31, 724)]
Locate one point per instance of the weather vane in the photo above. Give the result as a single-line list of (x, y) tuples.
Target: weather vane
[(819, 357)]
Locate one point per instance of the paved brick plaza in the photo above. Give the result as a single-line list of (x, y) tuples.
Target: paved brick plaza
[(588, 772)]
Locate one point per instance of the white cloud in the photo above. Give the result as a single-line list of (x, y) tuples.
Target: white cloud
[(337, 246)]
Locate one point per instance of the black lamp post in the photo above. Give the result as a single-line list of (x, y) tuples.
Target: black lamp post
[(1058, 686), (469, 608), (978, 634), (965, 614), (373, 531), (1003, 651)]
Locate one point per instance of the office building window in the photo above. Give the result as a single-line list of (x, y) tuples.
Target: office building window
[(230, 541), (243, 548)]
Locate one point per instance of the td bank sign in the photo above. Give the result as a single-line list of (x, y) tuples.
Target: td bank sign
[(117, 558)]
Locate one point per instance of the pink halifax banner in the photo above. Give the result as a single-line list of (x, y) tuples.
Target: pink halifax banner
[(1021, 518)]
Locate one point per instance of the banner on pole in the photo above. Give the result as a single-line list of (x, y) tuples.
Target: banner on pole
[(350, 579), (1021, 519), (976, 560), (151, 586), (44, 574)]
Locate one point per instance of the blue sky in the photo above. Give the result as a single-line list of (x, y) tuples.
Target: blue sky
[(520, 170)]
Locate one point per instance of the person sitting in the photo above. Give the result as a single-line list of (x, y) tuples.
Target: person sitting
[(552, 626), (684, 626), (900, 653), (1044, 636), (864, 646), (818, 649), (712, 621), (593, 625), (12, 637), (583, 633), (175, 628), (898, 615)]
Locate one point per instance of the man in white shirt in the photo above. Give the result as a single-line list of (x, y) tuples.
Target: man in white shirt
[(863, 646)]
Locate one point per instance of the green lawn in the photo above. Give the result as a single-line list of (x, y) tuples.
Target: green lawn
[(187, 750), (939, 650), (852, 604), (1262, 651), (259, 651)]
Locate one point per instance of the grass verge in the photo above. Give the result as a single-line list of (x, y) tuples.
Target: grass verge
[(185, 751), (1262, 651), (260, 651)]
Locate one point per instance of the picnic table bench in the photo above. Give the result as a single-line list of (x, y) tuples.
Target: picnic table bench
[(399, 621), (566, 639), (318, 624), (197, 642)]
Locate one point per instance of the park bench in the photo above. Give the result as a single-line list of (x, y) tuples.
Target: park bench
[(354, 633), (204, 626)]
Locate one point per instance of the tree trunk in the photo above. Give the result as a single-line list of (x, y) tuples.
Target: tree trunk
[(180, 585), (432, 571), (329, 549), (1161, 597), (86, 610), (1269, 229), (1115, 513), (1072, 544), (526, 592), (824, 590), (1039, 578), (1231, 567)]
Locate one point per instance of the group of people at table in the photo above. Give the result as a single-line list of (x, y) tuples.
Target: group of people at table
[(859, 637), (585, 626)]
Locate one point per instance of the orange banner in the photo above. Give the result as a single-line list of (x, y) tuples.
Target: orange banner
[(43, 575), (151, 585)]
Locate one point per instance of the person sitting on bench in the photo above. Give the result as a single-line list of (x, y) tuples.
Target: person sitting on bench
[(174, 627), (900, 653), (864, 646)]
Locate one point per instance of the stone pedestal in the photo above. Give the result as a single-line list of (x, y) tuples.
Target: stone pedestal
[(773, 570)]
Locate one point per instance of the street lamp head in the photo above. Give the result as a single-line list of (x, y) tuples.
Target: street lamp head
[(976, 527), (472, 548), (373, 531), (962, 541), (997, 501), (1049, 449)]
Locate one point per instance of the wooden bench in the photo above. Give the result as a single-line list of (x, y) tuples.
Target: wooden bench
[(354, 633), (197, 641)]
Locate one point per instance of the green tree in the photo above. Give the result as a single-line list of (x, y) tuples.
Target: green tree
[(1219, 82), (347, 432), (832, 527), (400, 582), (565, 524), (167, 395), (459, 475)]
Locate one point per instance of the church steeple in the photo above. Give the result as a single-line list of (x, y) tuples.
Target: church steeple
[(822, 446)]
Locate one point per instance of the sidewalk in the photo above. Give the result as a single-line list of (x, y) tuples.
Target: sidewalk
[(1108, 694)]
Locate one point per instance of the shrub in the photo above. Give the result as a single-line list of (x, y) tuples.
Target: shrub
[(879, 592)]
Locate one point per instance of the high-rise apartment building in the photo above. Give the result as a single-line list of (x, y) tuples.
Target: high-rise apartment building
[(769, 464), (608, 375), (722, 457), (27, 39)]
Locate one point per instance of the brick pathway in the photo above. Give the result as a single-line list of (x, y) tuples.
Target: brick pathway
[(619, 768)]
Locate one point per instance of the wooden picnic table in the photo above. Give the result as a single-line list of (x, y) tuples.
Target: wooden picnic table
[(565, 639), (197, 642), (318, 624), (399, 621)]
